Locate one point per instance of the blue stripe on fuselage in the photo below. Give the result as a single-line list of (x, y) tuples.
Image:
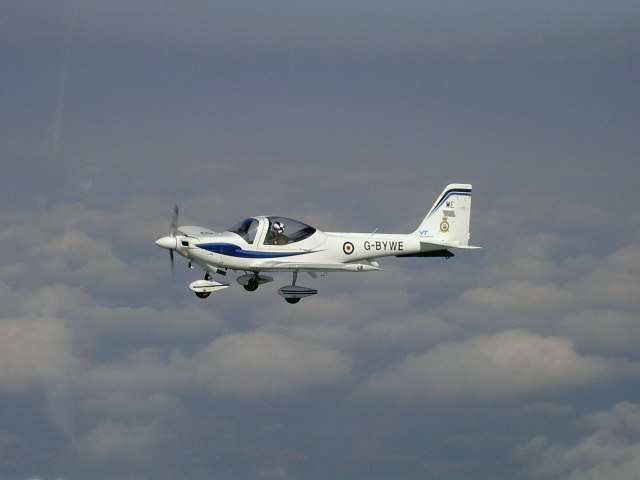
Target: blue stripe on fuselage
[(231, 250)]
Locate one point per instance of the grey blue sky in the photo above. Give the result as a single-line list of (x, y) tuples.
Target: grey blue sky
[(517, 361)]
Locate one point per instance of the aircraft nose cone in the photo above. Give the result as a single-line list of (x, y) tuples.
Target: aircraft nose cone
[(167, 242)]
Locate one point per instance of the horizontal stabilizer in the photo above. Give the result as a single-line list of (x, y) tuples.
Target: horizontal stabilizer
[(432, 253), (428, 246)]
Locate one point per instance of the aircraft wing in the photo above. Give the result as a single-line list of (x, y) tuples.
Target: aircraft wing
[(314, 267)]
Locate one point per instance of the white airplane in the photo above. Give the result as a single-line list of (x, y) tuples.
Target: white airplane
[(275, 244)]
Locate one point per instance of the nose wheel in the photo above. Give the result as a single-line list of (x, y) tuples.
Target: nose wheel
[(204, 288)]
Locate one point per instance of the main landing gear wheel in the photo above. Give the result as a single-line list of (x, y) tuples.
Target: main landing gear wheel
[(293, 293), (202, 294), (252, 285)]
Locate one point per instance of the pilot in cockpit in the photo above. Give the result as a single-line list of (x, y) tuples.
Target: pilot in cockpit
[(275, 235)]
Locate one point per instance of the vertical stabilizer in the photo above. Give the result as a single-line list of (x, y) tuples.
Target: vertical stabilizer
[(448, 219)]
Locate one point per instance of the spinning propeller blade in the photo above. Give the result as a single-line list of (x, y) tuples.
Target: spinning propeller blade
[(172, 231), (174, 221)]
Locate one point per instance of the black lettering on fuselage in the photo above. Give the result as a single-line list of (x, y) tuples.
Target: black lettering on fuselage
[(384, 245)]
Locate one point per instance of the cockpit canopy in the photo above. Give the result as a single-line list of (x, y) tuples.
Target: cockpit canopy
[(283, 231), (247, 229), (280, 230)]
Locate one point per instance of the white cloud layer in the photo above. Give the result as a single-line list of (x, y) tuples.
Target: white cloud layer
[(500, 366), (32, 351), (260, 363), (612, 451), (111, 440), (244, 365)]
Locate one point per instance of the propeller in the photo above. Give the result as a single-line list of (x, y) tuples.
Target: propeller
[(174, 221), (170, 242), (172, 231)]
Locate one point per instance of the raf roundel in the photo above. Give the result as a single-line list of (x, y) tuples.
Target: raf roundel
[(347, 248)]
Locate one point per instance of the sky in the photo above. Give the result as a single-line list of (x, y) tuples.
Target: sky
[(516, 361)]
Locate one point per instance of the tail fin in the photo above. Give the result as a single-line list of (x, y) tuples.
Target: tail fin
[(448, 219)]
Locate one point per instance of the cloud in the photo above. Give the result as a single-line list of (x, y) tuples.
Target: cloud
[(547, 409), (33, 351), (624, 417), (371, 313), (612, 451), (96, 249), (605, 331), (405, 330), (600, 455), (145, 371), (614, 283), (111, 439), (150, 321), (504, 365), (236, 365), (258, 363), (63, 253), (268, 472), (589, 299), (520, 296), (130, 405)]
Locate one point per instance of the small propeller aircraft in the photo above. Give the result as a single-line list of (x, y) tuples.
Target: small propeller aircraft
[(279, 244)]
